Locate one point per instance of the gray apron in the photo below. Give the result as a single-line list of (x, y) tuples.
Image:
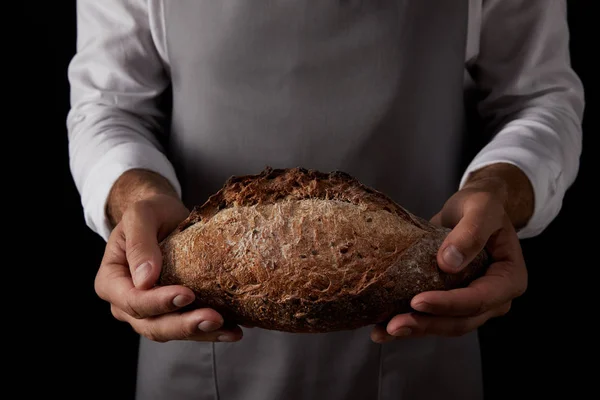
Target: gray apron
[(373, 88)]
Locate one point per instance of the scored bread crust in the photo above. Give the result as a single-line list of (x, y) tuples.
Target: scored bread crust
[(300, 250)]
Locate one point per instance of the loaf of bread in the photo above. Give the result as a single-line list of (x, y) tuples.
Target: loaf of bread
[(300, 250)]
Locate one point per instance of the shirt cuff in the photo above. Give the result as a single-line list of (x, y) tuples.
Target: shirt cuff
[(105, 173), (542, 171)]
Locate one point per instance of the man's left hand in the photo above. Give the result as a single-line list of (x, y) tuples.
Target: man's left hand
[(479, 220)]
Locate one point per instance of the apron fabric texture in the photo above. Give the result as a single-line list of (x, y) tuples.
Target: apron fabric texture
[(373, 88)]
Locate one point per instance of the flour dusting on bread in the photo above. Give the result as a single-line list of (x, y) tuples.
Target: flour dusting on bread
[(304, 251)]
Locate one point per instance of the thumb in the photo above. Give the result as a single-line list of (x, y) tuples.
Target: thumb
[(140, 228), (466, 240)]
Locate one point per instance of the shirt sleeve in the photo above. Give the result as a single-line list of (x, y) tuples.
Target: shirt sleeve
[(531, 100), (117, 77)]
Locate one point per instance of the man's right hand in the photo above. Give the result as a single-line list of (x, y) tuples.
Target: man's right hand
[(131, 266)]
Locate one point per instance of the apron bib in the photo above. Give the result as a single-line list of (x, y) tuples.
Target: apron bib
[(373, 88)]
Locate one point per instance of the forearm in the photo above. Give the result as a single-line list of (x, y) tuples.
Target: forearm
[(531, 103), (132, 186), (116, 121), (511, 185)]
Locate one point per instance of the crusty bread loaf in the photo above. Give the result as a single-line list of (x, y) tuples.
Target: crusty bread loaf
[(305, 251)]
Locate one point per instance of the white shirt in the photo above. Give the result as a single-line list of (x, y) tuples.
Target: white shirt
[(531, 95)]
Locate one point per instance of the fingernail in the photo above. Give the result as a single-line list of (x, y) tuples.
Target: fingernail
[(404, 331), (422, 307), (141, 273), (226, 338), (208, 326), (182, 300), (453, 257)]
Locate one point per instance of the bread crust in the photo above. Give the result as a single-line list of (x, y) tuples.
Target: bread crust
[(300, 250)]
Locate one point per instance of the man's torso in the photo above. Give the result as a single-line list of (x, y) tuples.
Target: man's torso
[(373, 88)]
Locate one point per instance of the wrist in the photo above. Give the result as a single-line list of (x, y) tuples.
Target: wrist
[(132, 186), (508, 184)]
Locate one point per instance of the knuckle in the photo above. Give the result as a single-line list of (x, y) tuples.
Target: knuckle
[(134, 210), (152, 334), (518, 292), (102, 283), (162, 306), (129, 216), (521, 288), (477, 309), (187, 330), (131, 309), (504, 309), (136, 251), (116, 313), (488, 201), (480, 305), (98, 287), (474, 236), (140, 208)]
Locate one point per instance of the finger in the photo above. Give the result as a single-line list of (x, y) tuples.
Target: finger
[(468, 238), (380, 335), (113, 272), (113, 284), (504, 280), (144, 257), (152, 302), (501, 284), (418, 325), (505, 245), (436, 219), (197, 325)]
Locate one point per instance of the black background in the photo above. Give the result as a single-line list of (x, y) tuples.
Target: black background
[(540, 348)]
